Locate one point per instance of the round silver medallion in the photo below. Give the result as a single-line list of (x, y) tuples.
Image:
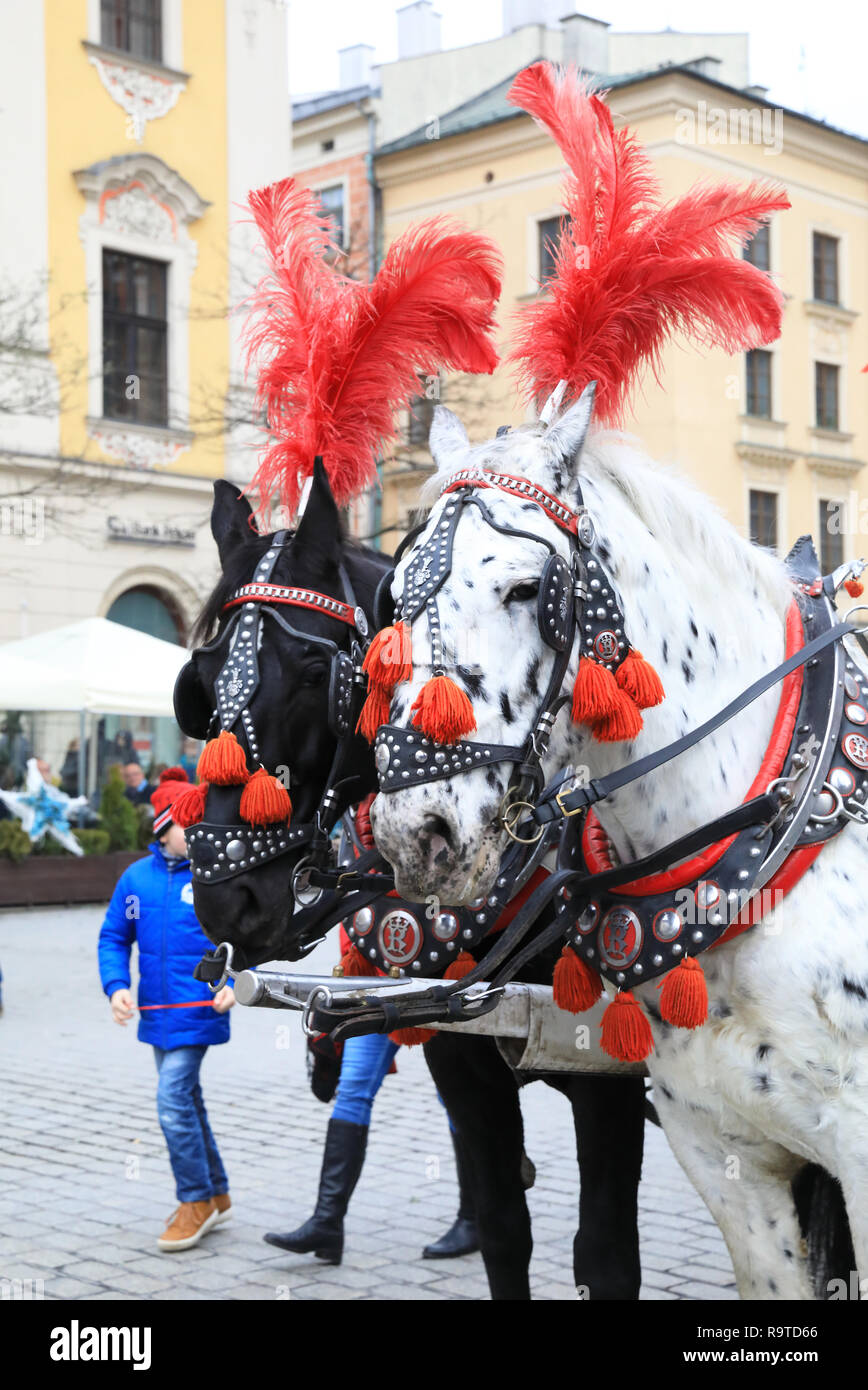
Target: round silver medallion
[(856, 750), (236, 849), (445, 926), (842, 779), (361, 622), (589, 918), (856, 713), (666, 925), (707, 894), (585, 530), (620, 937), (381, 757), (363, 921)]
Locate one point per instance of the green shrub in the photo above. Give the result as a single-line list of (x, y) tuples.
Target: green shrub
[(146, 826), (14, 841), (93, 841), (118, 815)]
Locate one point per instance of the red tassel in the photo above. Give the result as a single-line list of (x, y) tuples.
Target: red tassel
[(375, 711), (354, 963), (625, 722), (638, 678), (265, 801), (575, 986), (442, 711), (461, 966), (412, 1037), (389, 659), (595, 693), (189, 807), (684, 995), (222, 762), (855, 588), (625, 1031)]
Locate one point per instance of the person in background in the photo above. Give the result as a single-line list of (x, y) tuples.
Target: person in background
[(138, 789), (190, 756), (152, 905)]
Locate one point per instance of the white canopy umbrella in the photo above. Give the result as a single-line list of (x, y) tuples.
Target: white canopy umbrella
[(94, 665)]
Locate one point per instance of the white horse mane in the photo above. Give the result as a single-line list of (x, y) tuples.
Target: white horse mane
[(678, 514)]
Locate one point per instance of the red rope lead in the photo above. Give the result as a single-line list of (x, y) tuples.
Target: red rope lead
[(189, 1004)]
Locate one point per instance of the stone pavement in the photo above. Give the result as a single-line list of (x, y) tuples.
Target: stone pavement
[(85, 1184)]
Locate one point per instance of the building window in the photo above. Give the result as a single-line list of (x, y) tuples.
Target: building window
[(764, 518), (135, 384), (831, 535), (759, 383), (134, 26), (826, 384), (826, 268), (332, 200), (549, 232), (757, 250)]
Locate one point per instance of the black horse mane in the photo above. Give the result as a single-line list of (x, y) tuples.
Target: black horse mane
[(239, 570)]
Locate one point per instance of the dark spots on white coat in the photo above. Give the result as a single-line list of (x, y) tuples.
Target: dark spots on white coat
[(853, 987), (506, 708), (487, 559), (763, 1051), (665, 651), (473, 683), (687, 672), (532, 677)]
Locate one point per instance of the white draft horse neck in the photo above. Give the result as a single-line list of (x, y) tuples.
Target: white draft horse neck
[(778, 1076)]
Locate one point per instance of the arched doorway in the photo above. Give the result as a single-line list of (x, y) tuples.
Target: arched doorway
[(153, 742)]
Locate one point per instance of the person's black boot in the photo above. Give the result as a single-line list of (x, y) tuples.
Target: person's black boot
[(461, 1238), (323, 1233)]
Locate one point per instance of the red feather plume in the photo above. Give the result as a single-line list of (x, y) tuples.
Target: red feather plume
[(337, 358), (629, 272)]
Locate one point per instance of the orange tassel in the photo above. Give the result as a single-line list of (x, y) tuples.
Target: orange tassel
[(575, 986), (595, 693), (412, 1037), (265, 801), (222, 761), (625, 1031), (638, 678), (442, 711), (461, 966), (625, 722), (684, 995), (855, 588), (375, 711), (389, 659), (354, 963), (189, 807)]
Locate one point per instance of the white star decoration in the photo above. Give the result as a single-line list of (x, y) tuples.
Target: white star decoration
[(43, 809)]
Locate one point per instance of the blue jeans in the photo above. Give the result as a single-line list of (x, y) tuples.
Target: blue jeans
[(196, 1163), (364, 1063)]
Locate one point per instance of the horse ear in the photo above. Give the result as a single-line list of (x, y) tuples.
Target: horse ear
[(447, 439), (230, 518), (566, 437), (319, 526)]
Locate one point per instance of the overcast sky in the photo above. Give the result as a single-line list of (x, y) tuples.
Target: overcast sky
[(811, 56)]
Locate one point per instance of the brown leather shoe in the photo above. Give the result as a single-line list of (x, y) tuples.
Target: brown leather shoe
[(223, 1205), (188, 1225)]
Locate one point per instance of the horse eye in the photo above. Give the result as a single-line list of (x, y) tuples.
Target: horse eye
[(522, 593), (315, 675)]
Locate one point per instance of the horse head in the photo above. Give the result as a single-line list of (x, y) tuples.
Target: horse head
[(276, 684)]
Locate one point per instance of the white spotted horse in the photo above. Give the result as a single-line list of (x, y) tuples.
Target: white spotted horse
[(276, 686), (589, 578)]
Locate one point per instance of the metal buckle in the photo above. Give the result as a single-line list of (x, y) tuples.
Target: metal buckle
[(565, 812), (509, 813)]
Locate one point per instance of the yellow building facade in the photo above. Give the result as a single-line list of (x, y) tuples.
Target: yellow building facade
[(759, 447)]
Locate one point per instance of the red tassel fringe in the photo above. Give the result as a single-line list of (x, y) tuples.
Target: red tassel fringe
[(855, 588), (389, 659), (412, 1037), (595, 692), (189, 807), (575, 986), (265, 801), (442, 711), (461, 966), (354, 963), (375, 711), (222, 762), (641, 682), (684, 995), (625, 1032)]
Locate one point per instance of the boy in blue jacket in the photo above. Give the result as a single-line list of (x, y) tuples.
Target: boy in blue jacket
[(153, 905)]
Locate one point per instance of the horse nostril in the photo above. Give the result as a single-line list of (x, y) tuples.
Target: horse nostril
[(439, 834)]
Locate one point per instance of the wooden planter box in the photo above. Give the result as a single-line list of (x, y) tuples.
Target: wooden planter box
[(42, 880)]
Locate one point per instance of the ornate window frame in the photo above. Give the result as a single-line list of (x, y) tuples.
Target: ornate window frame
[(136, 204), (143, 89)]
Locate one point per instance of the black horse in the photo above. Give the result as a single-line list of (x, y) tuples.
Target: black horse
[(253, 910)]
